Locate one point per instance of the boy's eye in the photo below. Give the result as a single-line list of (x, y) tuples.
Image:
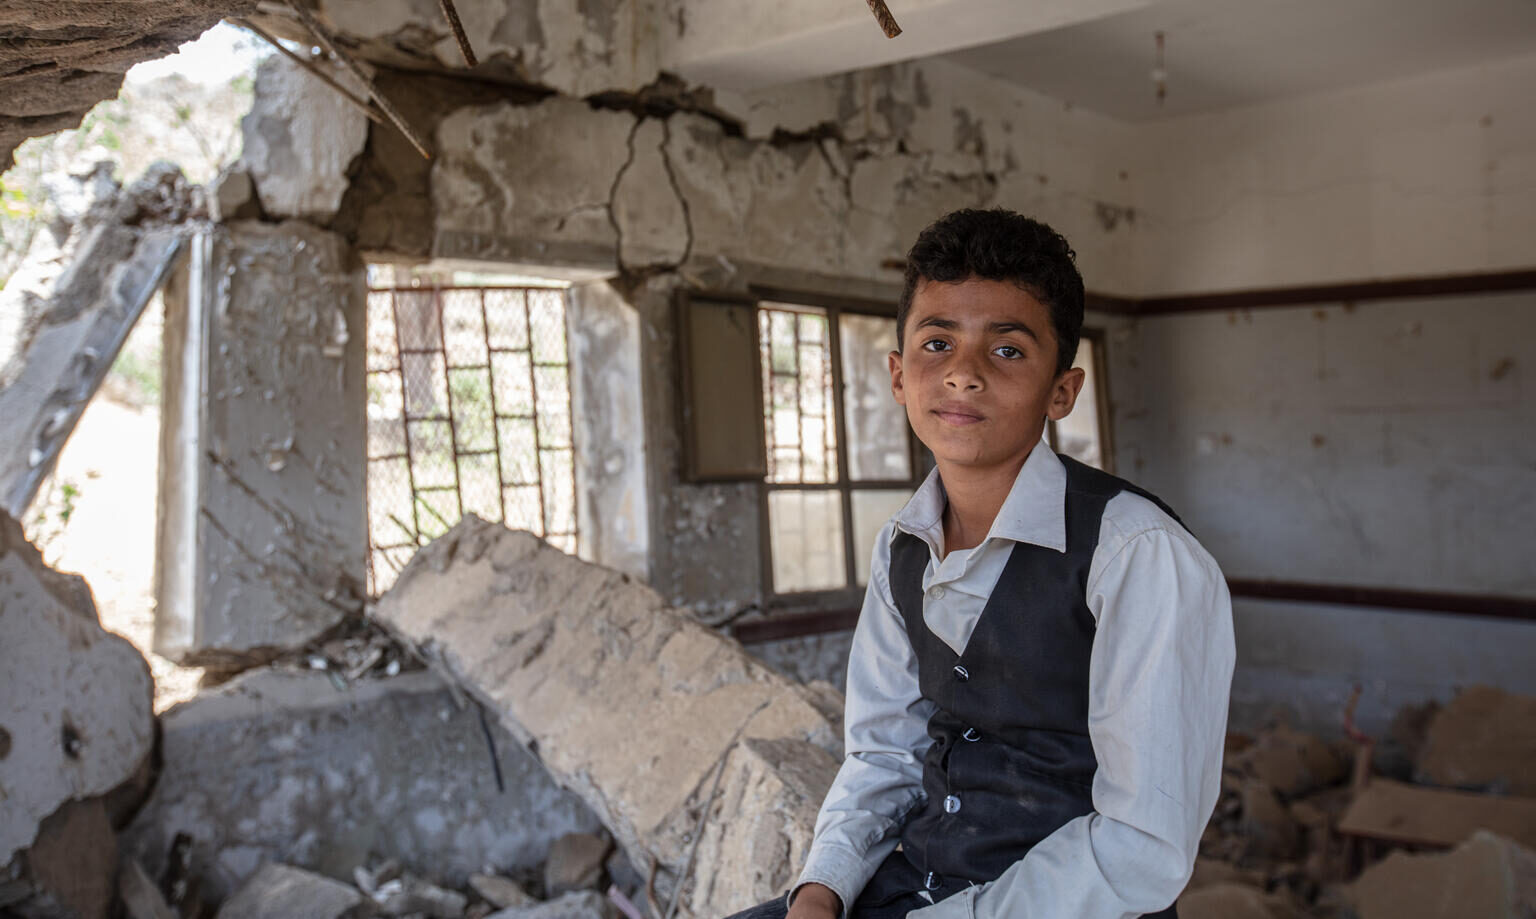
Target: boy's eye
[(935, 344), (1008, 351)]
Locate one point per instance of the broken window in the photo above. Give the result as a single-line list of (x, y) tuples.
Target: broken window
[(839, 451), (469, 411), (1084, 434)]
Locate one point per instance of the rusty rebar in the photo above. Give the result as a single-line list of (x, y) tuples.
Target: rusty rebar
[(884, 17), (452, 15), (307, 64), (389, 109)]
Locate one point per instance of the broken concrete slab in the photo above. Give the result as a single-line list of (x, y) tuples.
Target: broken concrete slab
[(1484, 739), (582, 904), (1414, 815), (301, 137), (500, 892), (282, 767), (575, 862), (615, 688), (261, 535), (1235, 901), (76, 718), (284, 892), (1291, 762), (1487, 877)]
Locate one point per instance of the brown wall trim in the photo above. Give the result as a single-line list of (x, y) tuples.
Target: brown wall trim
[(1400, 288), (800, 625), (1428, 601)]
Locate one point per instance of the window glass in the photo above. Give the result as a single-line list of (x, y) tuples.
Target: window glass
[(1077, 435), (806, 540), (871, 509), (797, 395), (876, 425)]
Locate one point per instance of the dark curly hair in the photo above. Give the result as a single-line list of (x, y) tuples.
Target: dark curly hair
[(1000, 245)]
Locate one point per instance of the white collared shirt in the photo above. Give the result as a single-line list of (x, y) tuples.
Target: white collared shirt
[(1159, 677)]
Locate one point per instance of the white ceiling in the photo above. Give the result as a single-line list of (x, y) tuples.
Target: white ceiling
[(1229, 53)]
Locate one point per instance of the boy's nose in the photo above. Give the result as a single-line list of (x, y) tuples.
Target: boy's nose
[(963, 374)]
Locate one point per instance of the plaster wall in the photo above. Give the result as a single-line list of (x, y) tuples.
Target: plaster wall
[(1382, 444), (1426, 176)]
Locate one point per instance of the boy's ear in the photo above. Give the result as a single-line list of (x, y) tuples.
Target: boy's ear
[(1064, 393), (894, 360)]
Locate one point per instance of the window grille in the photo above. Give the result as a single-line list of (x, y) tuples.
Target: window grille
[(469, 411)]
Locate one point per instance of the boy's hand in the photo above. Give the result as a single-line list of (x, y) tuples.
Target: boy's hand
[(815, 901)]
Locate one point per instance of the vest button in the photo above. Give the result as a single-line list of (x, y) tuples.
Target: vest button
[(971, 734), (932, 881), (936, 593), (961, 673), (952, 805)]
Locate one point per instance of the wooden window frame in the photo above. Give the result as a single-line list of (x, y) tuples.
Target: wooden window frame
[(1094, 339)]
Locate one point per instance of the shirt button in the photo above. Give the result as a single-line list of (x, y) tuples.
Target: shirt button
[(951, 805), (936, 593), (971, 734), (931, 881), (961, 673)]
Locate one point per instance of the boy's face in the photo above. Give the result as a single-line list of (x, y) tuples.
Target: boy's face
[(977, 372)]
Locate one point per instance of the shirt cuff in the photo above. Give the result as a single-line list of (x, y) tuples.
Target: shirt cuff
[(842, 870)]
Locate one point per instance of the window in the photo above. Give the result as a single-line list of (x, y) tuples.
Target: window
[(469, 411), (840, 455), (1084, 434)]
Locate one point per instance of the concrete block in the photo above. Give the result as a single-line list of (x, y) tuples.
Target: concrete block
[(76, 715), (1485, 738), (1487, 877), (575, 862), (283, 892), (232, 195), (261, 536), (281, 767), (301, 137), (615, 689)]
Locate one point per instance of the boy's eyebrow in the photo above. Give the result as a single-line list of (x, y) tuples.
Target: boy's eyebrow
[(1013, 327), (994, 327)]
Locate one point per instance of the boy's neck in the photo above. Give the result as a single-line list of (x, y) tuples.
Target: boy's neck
[(973, 498)]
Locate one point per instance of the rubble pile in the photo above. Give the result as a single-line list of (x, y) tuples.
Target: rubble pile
[(1306, 827)]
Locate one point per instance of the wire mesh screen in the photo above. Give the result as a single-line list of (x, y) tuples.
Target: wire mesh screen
[(797, 396), (469, 411)]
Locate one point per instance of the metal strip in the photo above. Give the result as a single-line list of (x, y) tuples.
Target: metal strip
[(533, 392), (453, 424)]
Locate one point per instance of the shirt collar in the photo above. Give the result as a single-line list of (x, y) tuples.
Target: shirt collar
[(1035, 510)]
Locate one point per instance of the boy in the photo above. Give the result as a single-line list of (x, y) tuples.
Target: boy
[(1037, 690)]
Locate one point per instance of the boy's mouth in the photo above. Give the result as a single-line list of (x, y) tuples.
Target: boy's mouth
[(957, 414)]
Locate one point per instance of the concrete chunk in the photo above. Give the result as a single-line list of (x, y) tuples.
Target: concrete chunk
[(581, 904), (283, 892), (1487, 877), (75, 701), (300, 139), (1486, 739), (616, 689), (281, 767), (575, 862)]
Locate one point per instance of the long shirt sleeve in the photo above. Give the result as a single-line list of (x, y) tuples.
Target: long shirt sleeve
[(885, 738), (1160, 674)]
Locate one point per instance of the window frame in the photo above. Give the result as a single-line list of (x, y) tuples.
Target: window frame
[(834, 306), (1095, 340)]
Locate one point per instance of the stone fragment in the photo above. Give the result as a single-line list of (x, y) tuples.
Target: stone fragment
[(575, 862), (409, 895), (1487, 877), (281, 767), (72, 867), (1484, 739), (262, 528), (580, 904), (284, 892), (232, 196), (500, 892), (1265, 824), (76, 716), (301, 137), (616, 689), (1291, 762), (141, 898), (1235, 901)]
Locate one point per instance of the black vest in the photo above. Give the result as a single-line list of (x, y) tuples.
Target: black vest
[(1011, 760)]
